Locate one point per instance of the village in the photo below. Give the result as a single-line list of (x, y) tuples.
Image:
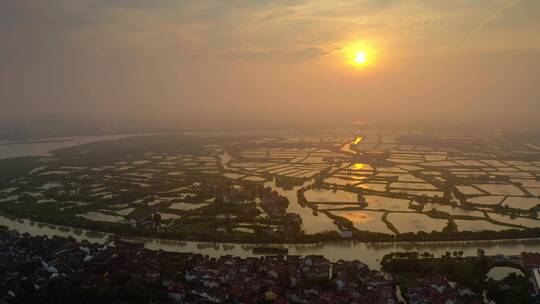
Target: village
[(35, 268)]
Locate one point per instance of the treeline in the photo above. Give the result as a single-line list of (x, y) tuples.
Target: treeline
[(471, 271)]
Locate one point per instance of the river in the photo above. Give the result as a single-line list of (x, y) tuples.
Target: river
[(369, 253), (44, 146)]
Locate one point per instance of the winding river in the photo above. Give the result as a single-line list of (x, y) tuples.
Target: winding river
[(369, 253)]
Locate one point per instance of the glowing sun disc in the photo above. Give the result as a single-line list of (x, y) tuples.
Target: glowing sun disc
[(359, 54), (360, 58)]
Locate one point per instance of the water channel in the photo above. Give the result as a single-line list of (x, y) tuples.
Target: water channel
[(369, 253)]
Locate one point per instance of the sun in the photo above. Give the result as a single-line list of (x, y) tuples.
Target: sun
[(360, 57), (358, 54)]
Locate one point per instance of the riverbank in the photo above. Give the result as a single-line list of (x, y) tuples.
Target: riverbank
[(371, 252), (60, 263)]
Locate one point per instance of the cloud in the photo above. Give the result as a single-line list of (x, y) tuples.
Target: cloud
[(130, 58), (493, 16)]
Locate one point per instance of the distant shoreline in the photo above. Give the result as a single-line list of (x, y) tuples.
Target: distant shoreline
[(39, 141)]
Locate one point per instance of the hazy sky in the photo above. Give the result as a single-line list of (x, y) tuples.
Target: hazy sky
[(235, 62)]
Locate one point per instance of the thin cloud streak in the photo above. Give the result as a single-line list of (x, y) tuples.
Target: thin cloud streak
[(492, 17)]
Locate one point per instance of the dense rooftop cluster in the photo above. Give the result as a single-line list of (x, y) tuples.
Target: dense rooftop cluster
[(43, 270), (437, 289)]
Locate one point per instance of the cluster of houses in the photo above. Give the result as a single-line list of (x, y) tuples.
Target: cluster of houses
[(290, 279), (229, 195), (273, 203), (437, 289), (30, 266), (531, 262), (270, 203)]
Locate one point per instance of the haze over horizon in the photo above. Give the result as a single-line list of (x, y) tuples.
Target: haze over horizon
[(244, 62)]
